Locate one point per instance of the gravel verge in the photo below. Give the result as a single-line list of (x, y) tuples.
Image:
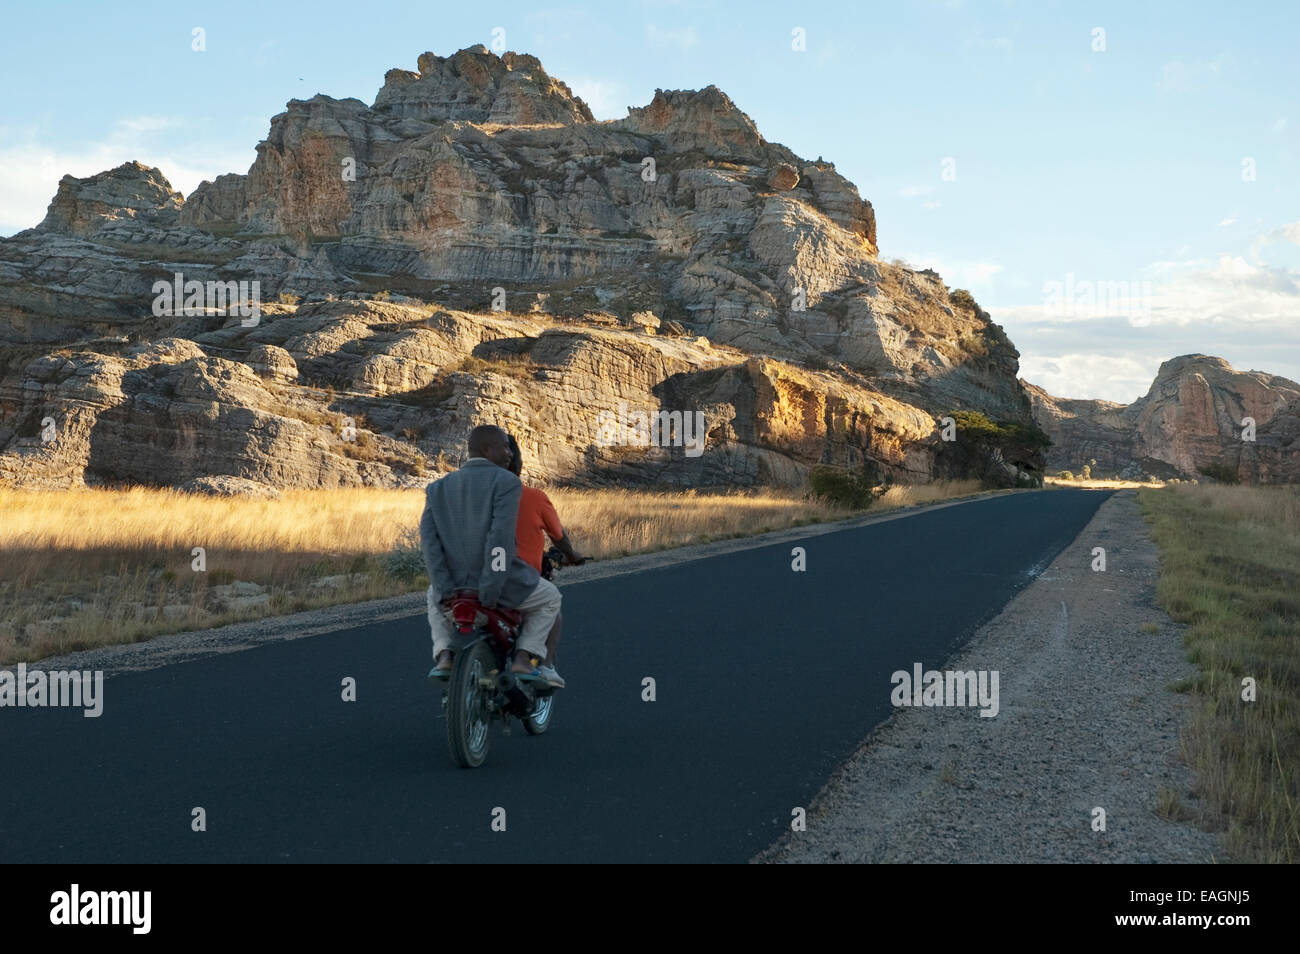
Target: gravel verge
[(1087, 720)]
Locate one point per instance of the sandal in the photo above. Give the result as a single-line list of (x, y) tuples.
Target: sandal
[(438, 672)]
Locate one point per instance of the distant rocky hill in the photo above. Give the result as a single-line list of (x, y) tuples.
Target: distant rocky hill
[(474, 246), (1190, 423)]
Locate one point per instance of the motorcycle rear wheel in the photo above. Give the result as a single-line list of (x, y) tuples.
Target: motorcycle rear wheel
[(468, 721)]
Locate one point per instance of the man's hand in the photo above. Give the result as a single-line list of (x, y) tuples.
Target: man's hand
[(571, 556)]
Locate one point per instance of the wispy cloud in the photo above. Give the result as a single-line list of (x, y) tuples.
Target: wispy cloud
[(145, 124), (607, 100), (911, 192), (1283, 233), (1179, 76), (1241, 310), (681, 39), (1121, 377), (1000, 44), (1177, 294), (1279, 124), (956, 273)]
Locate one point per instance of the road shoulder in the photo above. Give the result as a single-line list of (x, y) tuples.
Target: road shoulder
[(1086, 721)]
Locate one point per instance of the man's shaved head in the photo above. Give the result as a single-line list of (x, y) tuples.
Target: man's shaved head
[(486, 437), (488, 440)]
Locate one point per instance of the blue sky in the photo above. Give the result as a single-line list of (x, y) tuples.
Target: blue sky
[(1157, 165)]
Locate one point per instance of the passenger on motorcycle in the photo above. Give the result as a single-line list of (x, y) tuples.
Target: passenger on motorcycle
[(467, 534), (538, 520)]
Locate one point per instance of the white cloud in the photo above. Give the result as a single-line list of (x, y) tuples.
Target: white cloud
[(607, 100), (33, 169), (1225, 223), (1249, 296), (1247, 312), (682, 39), (1283, 233), (1231, 289), (911, 192), (956, 274), (145, 124), (931, 205), (1279, 124), (973, 273), (1122, 378)]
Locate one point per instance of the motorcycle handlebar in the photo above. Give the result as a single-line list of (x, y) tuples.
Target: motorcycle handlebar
[(557, 558)]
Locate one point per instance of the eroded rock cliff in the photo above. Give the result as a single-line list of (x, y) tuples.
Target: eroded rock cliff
[(1192, 422), (474, 246)]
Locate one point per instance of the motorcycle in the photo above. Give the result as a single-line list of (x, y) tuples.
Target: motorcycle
[(481, 688)]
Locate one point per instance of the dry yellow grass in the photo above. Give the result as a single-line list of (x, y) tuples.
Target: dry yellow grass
[(93, 567), (1089, 483), (611, 523), (1229, 569), (908, 495), (305, 521)]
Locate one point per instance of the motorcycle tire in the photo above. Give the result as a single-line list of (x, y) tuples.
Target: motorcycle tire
[(468, 722)]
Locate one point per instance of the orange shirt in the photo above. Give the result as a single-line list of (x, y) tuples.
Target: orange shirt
[(536, 514)]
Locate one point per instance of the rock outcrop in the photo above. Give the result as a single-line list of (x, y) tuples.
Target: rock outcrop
[(132, 191), (387, 393), (1191, 423), (474, 245)]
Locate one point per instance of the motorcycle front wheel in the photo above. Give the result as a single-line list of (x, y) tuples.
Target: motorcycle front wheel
[(468, 719)]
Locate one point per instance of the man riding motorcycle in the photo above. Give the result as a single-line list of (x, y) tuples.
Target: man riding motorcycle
[(467, 534)]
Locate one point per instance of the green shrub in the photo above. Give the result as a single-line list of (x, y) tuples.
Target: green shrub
[(840, 488), (406, 560), (1221, 472), (976, 427), (1065, 475), (973, 343), (963, 299)]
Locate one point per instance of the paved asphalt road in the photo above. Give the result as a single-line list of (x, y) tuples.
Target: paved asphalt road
[(766, 680)]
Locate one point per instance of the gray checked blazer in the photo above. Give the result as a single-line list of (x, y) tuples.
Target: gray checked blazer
[(467, 514)]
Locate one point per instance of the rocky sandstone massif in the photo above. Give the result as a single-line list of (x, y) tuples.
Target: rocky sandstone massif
[(1190, 423), (472, 247)]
